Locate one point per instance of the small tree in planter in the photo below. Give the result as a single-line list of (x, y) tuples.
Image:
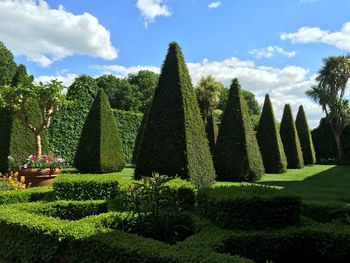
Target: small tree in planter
[(18, 98)]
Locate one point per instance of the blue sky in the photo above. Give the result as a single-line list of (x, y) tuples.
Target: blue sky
[(272, 46)]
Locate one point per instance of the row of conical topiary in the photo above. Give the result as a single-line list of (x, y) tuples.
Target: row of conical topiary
[(173, 141)]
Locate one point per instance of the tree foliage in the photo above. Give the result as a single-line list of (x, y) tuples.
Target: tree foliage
[(290, 140), (237, 156), (8, 66), (99, 149), (174, 141), (305, 137), (269, 140)]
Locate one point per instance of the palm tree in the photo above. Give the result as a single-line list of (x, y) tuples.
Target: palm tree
[(208, 93), (329, 94)]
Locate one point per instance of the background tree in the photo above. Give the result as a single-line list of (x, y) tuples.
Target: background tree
[(18, 99), (329, 94), (208, 93), (7, 65)]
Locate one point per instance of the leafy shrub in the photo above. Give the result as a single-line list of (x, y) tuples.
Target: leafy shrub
[(290, 140), (324, 212), (86, 187), (174, 140), (249, 207), (237, 156), (27, 195), (305, 137), (99, 149), (270, 142)]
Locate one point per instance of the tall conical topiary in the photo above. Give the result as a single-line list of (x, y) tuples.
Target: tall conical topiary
[(237, 156), (174, 142), (305, 137), (99, 149), (290, 140), (269, 140), (212, 132)]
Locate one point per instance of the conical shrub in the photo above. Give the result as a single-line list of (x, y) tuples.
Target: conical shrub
[(290, 140), (99, 149), (212, 132), (269, 141), (307, 145), (237, 156), (174, 142)]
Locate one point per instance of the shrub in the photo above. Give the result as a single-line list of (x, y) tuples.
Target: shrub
[(128, 126), (270, 142), (290, 140), (86, 187), (237, 156), (174, 141), (249, 207), (27, 195), (212, 132), (306, 143), (316, 243), (324, 212), (99, 149)]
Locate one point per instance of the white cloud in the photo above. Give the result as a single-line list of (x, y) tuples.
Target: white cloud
[(66, 78), (270, 51), (45, 35), (214, 4), (305, 35), (285, 85), (150, 9)]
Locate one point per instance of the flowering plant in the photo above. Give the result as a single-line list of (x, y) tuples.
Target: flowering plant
[(11, 182), (32, 161)]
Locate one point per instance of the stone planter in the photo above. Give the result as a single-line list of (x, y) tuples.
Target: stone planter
[(39, 177)]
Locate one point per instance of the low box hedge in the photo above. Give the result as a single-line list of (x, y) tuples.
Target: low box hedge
[(323, 211), (27, 235), (249, 207), (26, 195), (86, 187)]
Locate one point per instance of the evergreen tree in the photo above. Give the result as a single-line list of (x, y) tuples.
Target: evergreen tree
[(174, 142), (290, 140), (305, 137), (99, 149), (270, 142), (212, 131), (237, 156), (8, 66)]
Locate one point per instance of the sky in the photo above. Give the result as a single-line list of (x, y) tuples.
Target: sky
[(271, 46)]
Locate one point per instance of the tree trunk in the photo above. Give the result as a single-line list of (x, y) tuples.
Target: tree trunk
[(337, 137), (38, 146)]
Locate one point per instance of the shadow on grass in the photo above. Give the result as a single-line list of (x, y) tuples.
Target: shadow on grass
[(332, 184)]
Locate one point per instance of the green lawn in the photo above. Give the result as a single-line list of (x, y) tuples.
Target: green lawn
[(319, 182)]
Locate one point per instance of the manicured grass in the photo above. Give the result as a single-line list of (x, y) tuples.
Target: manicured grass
[(319, 182)]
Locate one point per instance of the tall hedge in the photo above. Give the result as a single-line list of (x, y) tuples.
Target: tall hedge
[(174, 142), (212, 131), (237, 156), (306, 143), (15, 139), (99, 149), (269, 140), (290, 140)]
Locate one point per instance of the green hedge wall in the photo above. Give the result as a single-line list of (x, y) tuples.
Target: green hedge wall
[(249, 207), (86, 187), (27, 195)]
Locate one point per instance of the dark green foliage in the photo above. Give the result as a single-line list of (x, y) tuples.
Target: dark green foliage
[(25, 196), (290, 140), (174, 141), (212, 130), (306, 143), (15, 139), (315, 243), (249, 207), (99, 149), (139, 136), (324, 212), (252, 103), (237, 156), (86, 187), (7, 65), (128, 124), (270, 142)]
